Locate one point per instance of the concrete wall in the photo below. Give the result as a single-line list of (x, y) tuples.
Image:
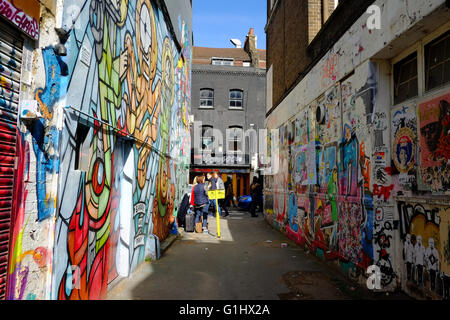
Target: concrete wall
[(342, 190), (84, 221)]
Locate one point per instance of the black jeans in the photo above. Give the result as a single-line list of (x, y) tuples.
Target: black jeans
[(253, 208), (224, 205)]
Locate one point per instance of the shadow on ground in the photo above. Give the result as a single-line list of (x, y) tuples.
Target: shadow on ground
[(250, 261)]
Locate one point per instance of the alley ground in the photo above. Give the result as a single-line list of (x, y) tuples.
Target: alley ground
[(249, 262)]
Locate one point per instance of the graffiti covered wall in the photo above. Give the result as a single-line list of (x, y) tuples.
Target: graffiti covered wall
[(325, 165), (125, 143), (105, 164), (37, 172), (346, 187)]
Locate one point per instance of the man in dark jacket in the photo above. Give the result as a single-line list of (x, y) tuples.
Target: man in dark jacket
[(184, 206), (201, 201), (256, 193)]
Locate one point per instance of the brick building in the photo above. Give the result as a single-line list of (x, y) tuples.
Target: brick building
[(228, 99)]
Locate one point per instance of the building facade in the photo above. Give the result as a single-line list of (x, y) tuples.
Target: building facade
[(228, 99), (95, 107), (361, 104)]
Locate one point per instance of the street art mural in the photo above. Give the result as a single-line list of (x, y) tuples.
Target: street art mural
[(424, 231), (30, 264), (124, 144), (382, 191), (434, 122), (46, 135), (404, 149), (383, 245)]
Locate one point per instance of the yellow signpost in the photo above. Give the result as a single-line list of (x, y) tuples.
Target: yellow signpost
[(216, 195)]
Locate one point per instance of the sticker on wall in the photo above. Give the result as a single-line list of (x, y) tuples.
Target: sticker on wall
[(403, 150)]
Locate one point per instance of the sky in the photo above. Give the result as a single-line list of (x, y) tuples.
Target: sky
[(215, 22)]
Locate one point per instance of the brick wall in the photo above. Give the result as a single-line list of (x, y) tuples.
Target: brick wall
[(275, 52), (315, 18), (296, 40), (293, 44)]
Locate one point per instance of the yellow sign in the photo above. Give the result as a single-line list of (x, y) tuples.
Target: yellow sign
[(216, 194)]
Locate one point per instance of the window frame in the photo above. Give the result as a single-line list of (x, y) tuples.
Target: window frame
[(417, 77), (426, 72), (236, 139), (206, 99), (419, 47), (236, 100), (205, 128)]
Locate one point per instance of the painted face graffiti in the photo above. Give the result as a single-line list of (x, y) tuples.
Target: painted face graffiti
[(404, 150)]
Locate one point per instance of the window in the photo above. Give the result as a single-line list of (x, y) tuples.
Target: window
[(236, 99), (207, 137), (405, 79), (222, 61), (437, 62), (206, 98), (234, 137)]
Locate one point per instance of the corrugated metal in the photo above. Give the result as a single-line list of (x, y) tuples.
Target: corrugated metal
[(10, 63)]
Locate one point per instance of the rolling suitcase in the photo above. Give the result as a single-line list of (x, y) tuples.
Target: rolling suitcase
[(189, 222)]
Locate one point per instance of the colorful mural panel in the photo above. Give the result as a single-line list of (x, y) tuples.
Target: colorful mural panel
[(125, 142), (425, 254), (434, 121)]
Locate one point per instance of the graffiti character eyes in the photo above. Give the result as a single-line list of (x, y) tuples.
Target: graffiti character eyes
[(146, 32)]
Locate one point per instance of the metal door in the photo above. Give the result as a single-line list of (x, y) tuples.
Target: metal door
[(11, 44)]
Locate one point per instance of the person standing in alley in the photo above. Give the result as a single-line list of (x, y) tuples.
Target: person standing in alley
[(229, 193), (201, 202), (210, 181), (255, 190), (213, 180), (220, 186)]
